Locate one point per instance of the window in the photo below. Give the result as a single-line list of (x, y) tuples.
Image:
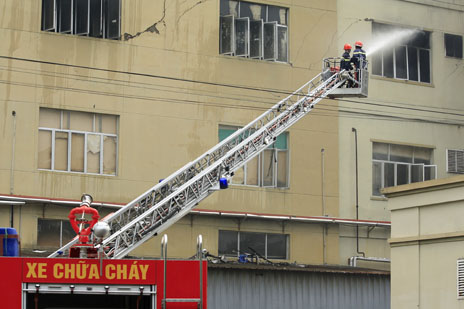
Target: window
[(253, 30), (94, 18), (268, 169), (455, 161), (460, 278), (394, 165), (271, 246), (79, 142), (453, 45), (408, 59), (54, 233)]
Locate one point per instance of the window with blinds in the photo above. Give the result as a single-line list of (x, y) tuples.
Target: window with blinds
[(455, 161), (460, 278)]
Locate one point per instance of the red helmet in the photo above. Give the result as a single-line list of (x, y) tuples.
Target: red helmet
[(347, 46), (358, 43)]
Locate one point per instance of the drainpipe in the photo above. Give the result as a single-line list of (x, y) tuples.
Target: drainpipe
[(357, 190), (13, 113), (324, 226)]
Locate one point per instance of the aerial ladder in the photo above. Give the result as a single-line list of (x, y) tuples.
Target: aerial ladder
[(172, 198)]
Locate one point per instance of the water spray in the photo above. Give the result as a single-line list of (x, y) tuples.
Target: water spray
[(388, 38)]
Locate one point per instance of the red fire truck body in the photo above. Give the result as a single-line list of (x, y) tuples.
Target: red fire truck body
[(66, 283)]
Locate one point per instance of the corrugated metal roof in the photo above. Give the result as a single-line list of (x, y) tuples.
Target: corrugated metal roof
[(266, 288)]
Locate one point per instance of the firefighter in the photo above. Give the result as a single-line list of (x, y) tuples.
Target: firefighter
[(359, 55), (345, 63), (358, 59)]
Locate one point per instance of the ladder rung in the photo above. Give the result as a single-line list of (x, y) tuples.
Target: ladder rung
[(182, 300)]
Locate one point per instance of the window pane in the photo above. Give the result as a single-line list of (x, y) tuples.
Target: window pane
[(400, 62), (380, 151), (256, 241), (96, 29), (228, 243), (376, 178), (453, 45), (109, 155), (422, 155), (45, 150), (109, 124), (388, 62), (430, 172), (252, 10), (268, 167), (50, 118), (401, 153), (239, 176), (48, 15), (424, 65), (281, 141), (276, 246), (413, 67), (112, 18), (93, 153), (81, 17), (417, 173), (64, 16), (252, 172), (61, 151), (48, 233), (241, 36), (269, 41), (277, 14), (256, 39), (229, 7), (282, 40), (226, 38), (81, 121), (389, 175), (282, 164), (402, 174), (377, 63), (77, 152), (421, 39)]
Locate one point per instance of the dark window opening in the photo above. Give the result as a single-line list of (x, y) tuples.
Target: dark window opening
[(94, 18), (453, 45)]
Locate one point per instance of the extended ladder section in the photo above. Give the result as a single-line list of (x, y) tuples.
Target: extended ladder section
[(171, 199)]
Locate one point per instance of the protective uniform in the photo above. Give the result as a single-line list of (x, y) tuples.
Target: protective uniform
[(345, 62), (359, 55)]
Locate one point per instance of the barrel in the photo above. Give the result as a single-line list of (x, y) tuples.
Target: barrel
[(9, 242)]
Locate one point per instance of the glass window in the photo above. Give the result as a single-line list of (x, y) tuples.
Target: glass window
[(453, 45), (271, 246), (75, 141), (253, 30), (267, 169), (407, 59), (54, 233), (94, 18), (394, 165)]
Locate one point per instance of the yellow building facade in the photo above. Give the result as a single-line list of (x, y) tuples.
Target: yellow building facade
[(109, 99)]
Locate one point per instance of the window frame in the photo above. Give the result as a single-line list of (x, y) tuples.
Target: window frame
[(457, 168), (408, 48), (266, 249), (450, 35), (383, 162), (106, 7), (70, 133), (260, 164), (264, 22)]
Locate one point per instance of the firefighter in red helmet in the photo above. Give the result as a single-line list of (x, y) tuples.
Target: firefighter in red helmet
[(345, 63), (359, 55)]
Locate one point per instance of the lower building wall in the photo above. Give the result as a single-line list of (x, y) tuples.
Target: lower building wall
[(239, 288)]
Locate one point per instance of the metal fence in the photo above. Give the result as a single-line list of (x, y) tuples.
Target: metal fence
[(254, 288)]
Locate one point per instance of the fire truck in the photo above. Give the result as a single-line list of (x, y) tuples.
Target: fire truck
[(91, 271)]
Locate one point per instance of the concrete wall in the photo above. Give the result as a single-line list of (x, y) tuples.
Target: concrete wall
[(427, 240), (165, 123), (443, 94)]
